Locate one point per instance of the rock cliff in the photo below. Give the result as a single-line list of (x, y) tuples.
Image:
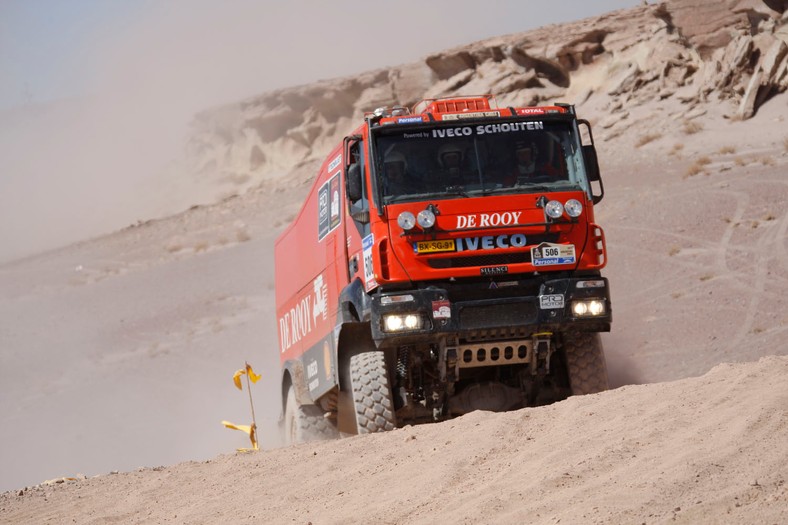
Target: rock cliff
[(683, 52)]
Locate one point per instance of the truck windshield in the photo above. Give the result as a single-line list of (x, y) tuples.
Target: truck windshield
[(469, 160)]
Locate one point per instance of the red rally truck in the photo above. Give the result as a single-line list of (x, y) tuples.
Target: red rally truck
[(446, 260)]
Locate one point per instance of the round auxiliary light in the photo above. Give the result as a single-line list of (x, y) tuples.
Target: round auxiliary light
[(554, 209), (580, 308), (411, 321), (426, 219), (393, 323), (406, 220), (573, 208), (596, 307)]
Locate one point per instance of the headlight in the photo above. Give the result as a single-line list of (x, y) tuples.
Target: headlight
[(406, 220), (554, 209), (588, 308), (573, 208), (401, 322), (426, 219)]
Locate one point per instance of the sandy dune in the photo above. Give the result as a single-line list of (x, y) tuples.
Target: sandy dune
[(702, 450)]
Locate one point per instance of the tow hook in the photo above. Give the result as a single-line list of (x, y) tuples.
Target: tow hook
[(542, 353)]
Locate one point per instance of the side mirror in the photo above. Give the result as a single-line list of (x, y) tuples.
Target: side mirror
[(354, 188), (359, 214), (592, 171)]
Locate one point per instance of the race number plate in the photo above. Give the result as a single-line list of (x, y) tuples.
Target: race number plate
[(548, 253), (446, 245)]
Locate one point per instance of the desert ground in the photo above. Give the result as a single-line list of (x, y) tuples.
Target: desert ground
[(119, 351)]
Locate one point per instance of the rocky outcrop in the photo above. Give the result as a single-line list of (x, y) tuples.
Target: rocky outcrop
[(693, 51)]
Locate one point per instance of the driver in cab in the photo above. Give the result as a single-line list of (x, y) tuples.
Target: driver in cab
[(528, 167)]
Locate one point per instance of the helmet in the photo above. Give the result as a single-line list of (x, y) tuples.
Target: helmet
[(396, 156), (521, 145), (447, 150), (395, 164)]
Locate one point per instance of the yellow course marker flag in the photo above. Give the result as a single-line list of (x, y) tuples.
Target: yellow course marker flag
[(251, 430), (248, 370)]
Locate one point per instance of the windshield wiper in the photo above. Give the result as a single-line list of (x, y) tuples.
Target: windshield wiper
[(456, 190), (535, 187)]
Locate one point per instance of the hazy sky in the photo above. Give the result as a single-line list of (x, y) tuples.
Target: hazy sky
[(95, 95), (233, 48)]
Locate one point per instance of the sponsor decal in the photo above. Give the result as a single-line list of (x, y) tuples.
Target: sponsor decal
[(295, 324), (335, 162), (490, 242), (494, 270), (321, 298), (329, 214), (548, 254), (302, 318), (507, 127), (369, 275), (441, 309), (452, 132), (475, 114), (335, 217), (551, 302), (483, 220), (487, 129), (311, 369), (408, 120), (420, 135), (531, 111)]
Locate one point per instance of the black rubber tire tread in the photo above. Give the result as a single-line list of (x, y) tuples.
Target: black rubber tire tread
[(306, 422), (585, 363), (371, 393)]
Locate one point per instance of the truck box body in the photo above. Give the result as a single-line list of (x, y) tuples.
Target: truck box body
[(449, 258)]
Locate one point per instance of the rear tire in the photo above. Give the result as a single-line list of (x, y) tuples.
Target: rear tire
[(306, 422), (585, 363), (372, 399)]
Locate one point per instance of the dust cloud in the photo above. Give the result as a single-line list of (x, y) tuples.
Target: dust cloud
[(80, 167)]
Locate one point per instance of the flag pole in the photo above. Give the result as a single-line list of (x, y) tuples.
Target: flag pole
[(251, 404)]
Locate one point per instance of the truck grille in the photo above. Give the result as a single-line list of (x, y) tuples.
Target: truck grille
[(486, 316), (480, 260), (497, 259)]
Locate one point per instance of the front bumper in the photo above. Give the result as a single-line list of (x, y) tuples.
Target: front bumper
[(491, 310)]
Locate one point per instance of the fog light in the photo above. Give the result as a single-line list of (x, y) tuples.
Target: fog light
[(579, 308), (393, 323), (588, 308), (401, 322), (596, 308), (412, 322)]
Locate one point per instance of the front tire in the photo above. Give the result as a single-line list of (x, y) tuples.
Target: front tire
[(372, 399), (585, 363), (306, 422)]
